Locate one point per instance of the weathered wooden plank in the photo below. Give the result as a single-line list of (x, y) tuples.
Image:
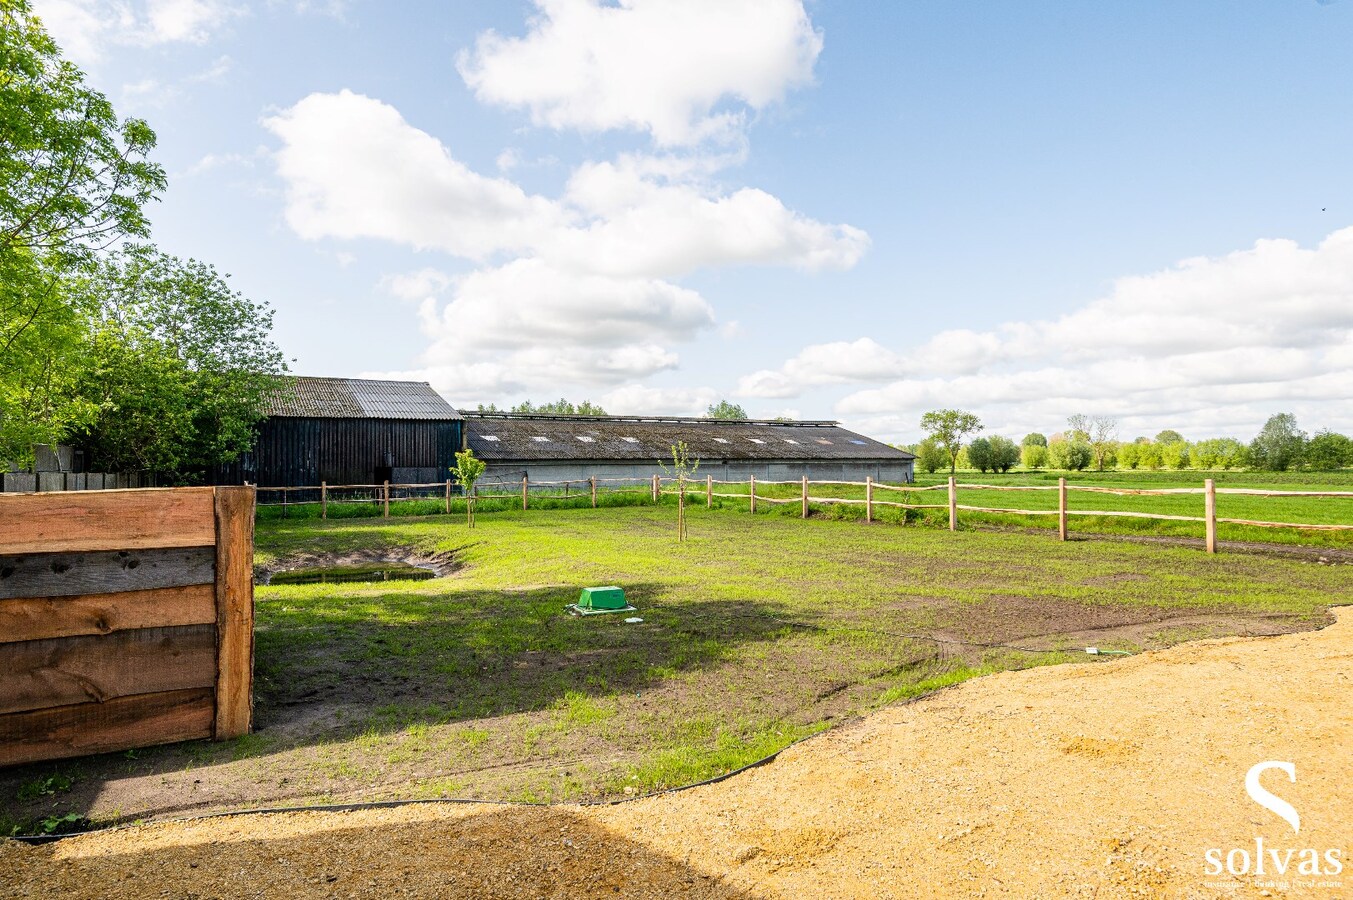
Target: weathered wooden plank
[(65, 671), (131, 520), (104, 572), (140, 720), (31, 619), (234, 611)]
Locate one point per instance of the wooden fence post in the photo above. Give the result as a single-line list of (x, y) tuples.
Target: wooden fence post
[(805, 496), (869, 498), (656, 488), (324, 499), (523, 491), (1210, 513), (593, 482), (234, 611), (752, 492), (284, 502), (709, 492), (1061, 508), (953, 503), (448, 496), (387, 498)]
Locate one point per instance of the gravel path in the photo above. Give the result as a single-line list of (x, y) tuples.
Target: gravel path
[(1106, 780)]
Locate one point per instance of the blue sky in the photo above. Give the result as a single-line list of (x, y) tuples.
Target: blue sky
[(830, 210)]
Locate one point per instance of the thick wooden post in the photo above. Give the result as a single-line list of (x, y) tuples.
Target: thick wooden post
[(234, 611), (448, 496), (593, 481), (709, 492), (869, 498), (1061, 508), (387, 498), (284, 502), (523, 491), (953, 503), (805, 496), (656, 488), (752, 491), (324, 499), (1210, 513)]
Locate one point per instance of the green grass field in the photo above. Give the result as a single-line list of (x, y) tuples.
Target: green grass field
[(756, 632)]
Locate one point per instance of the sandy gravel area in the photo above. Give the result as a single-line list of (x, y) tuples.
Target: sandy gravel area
[(1097, 780)]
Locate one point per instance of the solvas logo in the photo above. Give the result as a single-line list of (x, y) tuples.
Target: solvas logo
[(1276, 862)]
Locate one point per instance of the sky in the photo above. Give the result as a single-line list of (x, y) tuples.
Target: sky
[(827, 210)]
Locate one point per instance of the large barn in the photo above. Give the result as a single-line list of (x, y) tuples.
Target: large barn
[(351, 431), (564, 448)]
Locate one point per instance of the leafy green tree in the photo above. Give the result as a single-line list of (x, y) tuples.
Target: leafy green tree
[(73, 180), (1175, 455), (1072, 455), (1034, 439), (1004, 454), (683, 468), (979, 454), (1169, 436), (1033, 456), (930, 456), (1279, 444), (1328, 451), (179, 367), (1099, 432), (466, 472), (948, 428), (1129, 456), (1149, 455), (560, 407), (725, 410)]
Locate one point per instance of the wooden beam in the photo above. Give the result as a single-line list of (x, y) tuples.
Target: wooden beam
[(31, 619), (709, 492), (324, 499), (1210, 513), (234, 611), (1061, 508), (104, 572), (79, 730), (953, 504), (593, 481), (805, 497), (85, 520), (69, 670), (869, 498)]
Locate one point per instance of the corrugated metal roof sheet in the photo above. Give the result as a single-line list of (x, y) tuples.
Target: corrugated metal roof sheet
[(358, 398), (498, 438)]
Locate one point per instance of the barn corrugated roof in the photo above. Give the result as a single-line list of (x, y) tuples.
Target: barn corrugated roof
[(358, 398), (499, 437)]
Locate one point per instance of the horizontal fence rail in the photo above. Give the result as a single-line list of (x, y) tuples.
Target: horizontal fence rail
[(755, 491)]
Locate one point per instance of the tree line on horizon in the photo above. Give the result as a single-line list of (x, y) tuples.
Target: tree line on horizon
[(1091, 443)]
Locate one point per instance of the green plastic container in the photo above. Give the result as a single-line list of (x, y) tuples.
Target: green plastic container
[(602, 598)]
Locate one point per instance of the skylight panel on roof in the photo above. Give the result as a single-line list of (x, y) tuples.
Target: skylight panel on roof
[(721, 440), (539, 439), (490, 437), (790, 441), (756, 440), (585, 439), (630, 440), (861, 443), (824, 441)]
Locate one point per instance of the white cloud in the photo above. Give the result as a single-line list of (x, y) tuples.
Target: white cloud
[(1209, 344), (638, 400), (85, 29), (671, 68)]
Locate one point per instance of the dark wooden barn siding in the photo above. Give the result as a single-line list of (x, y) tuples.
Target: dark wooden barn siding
[(297, 452)]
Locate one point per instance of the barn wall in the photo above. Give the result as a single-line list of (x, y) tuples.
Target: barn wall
[(891, 471), (296, 452)]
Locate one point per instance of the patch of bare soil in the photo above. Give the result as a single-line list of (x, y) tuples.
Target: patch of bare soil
[(441, 563), (1068, 781)]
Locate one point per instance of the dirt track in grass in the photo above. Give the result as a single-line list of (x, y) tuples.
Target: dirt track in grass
[(1067, 781)]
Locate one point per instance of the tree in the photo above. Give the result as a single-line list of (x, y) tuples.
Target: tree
[(1169, 436), (930, 455), (1033, 456), (1129, 456), (179, 366), (682, 470), (1175, 455), (466, 472), (1072, 455), (725, 410), (1100, 432), (979, 454), (560, 407), (948, 428), (1329, 451), (73, 180), (1004, 454), (1279, 444), (1034, 439)]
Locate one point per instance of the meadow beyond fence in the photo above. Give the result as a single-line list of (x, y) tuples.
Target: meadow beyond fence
[(1256, 513)]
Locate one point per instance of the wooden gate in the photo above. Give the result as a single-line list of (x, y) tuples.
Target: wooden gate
[(126, 619)]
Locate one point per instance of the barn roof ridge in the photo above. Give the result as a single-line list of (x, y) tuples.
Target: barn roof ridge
[(650, 420)]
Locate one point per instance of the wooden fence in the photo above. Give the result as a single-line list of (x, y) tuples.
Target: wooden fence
[(696, 488), (126, 619)]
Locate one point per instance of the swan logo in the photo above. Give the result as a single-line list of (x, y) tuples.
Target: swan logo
[(1302, 865)]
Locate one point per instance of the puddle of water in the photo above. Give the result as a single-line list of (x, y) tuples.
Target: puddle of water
[(378, 571)]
